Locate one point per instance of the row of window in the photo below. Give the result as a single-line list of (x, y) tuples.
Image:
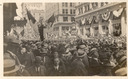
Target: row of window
[(63, 28), (65, 11), (65, 19), (90, 6), (66, 4)]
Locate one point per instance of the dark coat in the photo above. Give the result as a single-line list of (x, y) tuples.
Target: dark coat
[(86, 61), (78, 68), (33, 72), (60, 72)]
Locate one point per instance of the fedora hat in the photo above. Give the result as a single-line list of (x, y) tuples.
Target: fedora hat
[(80, 55), (81, 46), (38, 59), (11, 40), (122, 59), (10, 66)]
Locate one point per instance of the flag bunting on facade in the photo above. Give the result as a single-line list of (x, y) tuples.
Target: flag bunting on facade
[(117, 13), (106, 15)]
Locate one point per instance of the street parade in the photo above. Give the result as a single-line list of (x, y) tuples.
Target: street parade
[(32, 48)]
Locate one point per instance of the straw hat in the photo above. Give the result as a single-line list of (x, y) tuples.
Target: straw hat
[(10, 66), (121, 72)]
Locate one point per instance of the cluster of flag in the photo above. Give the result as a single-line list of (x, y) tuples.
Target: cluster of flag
[(34, 23)]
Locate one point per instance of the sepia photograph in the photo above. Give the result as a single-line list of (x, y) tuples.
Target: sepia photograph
[(64, 39)]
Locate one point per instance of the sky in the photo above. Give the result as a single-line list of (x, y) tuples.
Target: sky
[(19, 10)]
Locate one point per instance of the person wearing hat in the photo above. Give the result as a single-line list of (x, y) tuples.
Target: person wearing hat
[(11, 47), (67, 58), (121, 72), (10, 67), (38, 69), (94, 62), (57, 69), (80, 65), (122, 63), (106, 64)]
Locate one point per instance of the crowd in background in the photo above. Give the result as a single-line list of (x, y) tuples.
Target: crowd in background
[(72, 58)]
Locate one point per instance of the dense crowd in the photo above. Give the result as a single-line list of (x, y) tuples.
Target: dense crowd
[(73, 58)]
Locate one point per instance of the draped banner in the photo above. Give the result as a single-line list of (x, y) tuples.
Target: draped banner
[(83, 21), (106, 16), (117, 13), (90, 19)]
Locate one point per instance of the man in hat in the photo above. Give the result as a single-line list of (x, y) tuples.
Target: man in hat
[(121, 59), (94, 61), (10, 67), (67, 58), (38, 69), (11, 47), (57, 69), (80, 65)]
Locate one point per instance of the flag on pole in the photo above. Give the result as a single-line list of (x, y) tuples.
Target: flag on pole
[(22, 32), (30, 17), (51, 20)]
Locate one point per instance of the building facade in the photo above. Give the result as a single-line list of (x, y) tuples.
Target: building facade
[(64, 17), (101, 19)]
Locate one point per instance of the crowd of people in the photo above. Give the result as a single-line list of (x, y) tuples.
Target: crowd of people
[(73, 58)]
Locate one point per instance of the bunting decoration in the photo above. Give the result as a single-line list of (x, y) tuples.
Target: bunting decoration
[(90, 19), (106, 16), (90, 5), (83, 21), (117, 13)]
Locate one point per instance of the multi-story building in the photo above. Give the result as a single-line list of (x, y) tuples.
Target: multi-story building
[(101, 18), (36, 9), (64, 16)]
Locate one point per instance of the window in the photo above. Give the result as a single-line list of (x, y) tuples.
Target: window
[(71, 4), (71, 11), (66, 4), (63, 4), (66, 11), (65, 28), (106, 2), (102, 4), (88, 8), (65, 19), (63, 11), (81, 10), (74, 11), (72, 19), (85, 9)]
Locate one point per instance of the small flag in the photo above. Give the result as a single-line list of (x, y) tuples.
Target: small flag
[(22, 33), (51, 20), (30, 17)]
